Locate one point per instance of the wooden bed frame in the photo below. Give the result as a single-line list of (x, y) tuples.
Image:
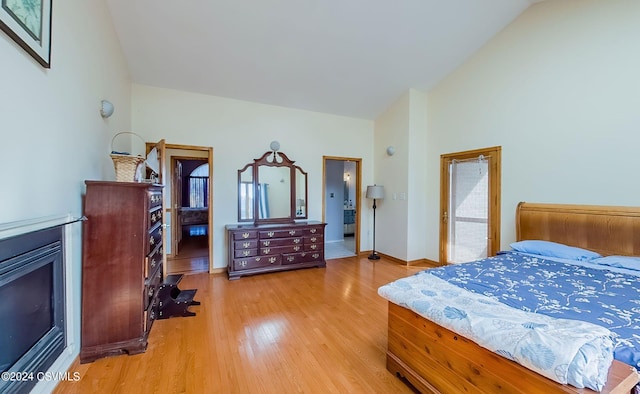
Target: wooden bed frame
[(436, 360)]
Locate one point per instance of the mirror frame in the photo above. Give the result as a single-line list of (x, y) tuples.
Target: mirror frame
[(274, 159)]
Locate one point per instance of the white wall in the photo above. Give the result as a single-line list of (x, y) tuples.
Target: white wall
[(417, 177), (241, 131), (53, 137), (401, 226), (392, 129), (559, 90)]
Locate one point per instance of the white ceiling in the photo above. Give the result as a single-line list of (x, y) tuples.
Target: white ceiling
[(346, 57)]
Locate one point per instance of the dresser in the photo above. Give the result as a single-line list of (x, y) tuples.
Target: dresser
[(121, 267), (254, 249)]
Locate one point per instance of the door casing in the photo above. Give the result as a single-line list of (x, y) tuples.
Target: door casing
[(495, 158)]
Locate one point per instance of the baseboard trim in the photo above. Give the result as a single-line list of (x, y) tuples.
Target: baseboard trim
[(413, 263)]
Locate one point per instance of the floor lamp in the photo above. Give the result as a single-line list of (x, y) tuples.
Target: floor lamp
[(374, 192)]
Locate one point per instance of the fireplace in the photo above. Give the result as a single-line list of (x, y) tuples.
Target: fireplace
[(32, 309)]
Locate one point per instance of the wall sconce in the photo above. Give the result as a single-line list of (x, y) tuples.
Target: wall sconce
[(106, 109), (391, 150)]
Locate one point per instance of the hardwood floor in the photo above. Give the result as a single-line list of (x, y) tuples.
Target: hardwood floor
[(194, 253), (313, 330)]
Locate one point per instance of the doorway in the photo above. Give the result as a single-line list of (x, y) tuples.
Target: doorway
[(341, 206), (469, 205), (188, 209)]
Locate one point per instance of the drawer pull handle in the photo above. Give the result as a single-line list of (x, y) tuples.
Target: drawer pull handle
[(266, 250), (245, 235), (258, 259), (313, 231), (290, 258), (292, 232), (270, 233), (296, 241), (314, 247), (316, 255), (243, 263), (266, 243), (246, 245), (153, 263), (151, 240), (313, 239), (296, 248), (246, 253), (272, 260)]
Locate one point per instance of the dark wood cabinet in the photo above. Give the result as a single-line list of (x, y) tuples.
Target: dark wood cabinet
[(121, 267), (255, 249)]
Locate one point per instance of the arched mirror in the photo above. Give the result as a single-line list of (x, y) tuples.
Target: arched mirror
[(272, 190)]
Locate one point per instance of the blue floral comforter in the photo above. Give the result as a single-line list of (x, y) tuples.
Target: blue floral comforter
[(561, 320)]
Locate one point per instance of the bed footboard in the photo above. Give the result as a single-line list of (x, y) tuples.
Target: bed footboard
[(436, 360)]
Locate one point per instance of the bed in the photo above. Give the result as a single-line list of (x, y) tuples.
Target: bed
[(436, 359), (191, 216)]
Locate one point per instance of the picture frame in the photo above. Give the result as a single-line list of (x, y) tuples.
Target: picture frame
[(28, 23)]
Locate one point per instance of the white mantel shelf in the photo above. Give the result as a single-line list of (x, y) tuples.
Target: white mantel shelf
[(12, 229)]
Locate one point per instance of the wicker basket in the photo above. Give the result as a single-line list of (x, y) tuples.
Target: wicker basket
[(126, 166)]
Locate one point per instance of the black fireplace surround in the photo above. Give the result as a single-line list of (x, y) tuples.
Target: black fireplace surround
[(32, 310)]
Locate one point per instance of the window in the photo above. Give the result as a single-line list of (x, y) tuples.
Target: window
[(199, 187), (468, 209), (246, 196)]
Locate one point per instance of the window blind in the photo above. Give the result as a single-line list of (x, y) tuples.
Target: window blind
[(468, 210)]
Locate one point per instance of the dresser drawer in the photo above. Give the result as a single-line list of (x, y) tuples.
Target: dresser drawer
[(313, 247), (150, 315), (238, 253), (155, 198), (280, 249), (153, 260), (155, 237), (281, 242), (151, 286), (247, 244), (305, 257), (293, 232), (314, 256), (314, 239), (240, 235), (155, 216), (255, 262), (317, 230)]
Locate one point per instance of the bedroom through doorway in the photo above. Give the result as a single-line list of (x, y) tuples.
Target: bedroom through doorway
[(188, 197)]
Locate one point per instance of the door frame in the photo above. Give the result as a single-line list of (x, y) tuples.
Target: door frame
[(176, 224), (209, 159), (358, 162), (495, 170)]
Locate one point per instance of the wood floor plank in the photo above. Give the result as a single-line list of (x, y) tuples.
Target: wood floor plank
[(314, 330)]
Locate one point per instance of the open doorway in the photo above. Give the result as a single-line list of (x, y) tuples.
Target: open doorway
[(188, 197), (341, 206)]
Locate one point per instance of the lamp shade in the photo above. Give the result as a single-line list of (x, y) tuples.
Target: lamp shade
[(375, 192)]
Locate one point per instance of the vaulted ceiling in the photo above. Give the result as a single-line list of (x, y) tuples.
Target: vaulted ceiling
[(345, 57)]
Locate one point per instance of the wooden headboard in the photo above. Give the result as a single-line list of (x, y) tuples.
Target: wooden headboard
[(604, 229)]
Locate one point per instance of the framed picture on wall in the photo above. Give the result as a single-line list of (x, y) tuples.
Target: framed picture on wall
[(28, 23)]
